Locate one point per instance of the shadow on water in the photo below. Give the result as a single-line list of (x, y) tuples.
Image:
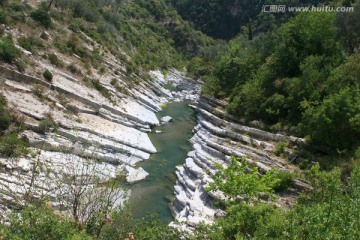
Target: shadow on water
[(155, 193)]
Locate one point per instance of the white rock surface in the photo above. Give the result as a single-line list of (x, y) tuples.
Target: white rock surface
[(135, 175), (117, 132), (166, 119), (90, 127), (215, 140)]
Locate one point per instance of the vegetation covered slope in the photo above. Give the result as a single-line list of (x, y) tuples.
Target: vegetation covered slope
[(304, 74), (77, 36), (152, 33), (224, 19)]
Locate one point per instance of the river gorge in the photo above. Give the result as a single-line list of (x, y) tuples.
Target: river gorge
[(168, 164)]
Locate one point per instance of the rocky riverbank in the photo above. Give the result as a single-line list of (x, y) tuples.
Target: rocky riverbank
[(111, 130), (217, 137)]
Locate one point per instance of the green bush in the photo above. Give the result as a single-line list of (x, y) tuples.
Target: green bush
[(2, 17), (21, 65), (8, 52), (280, 148), (42, 224), (18, 17), (17, 6), (42, 16), (72, 68), (3, 2), (101, 70), (48, 75), (5, 116), (122, 223), (26, 43), (285, 178), (54, 60), (104, 91), (12, 146), (74, 26), (44, 36), (47, 125), (113, 82)]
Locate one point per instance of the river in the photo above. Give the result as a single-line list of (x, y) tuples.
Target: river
[(155, 193)]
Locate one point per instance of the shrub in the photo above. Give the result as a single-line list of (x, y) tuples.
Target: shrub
[(8, 52), (48, 75), (280, 148), (72, 68), (3, 2), (18, 17), (5, 116), (17, 7), (113, 82), (122, 89), (41, 223), (101, 70), (2, 28), (54, 60), (47, 125), (285, 178), (42, 16), (21, 65), (74, 26), (12, 146), (104, 91), (2, 17), (44, 36), (38, 90), (26, 43)]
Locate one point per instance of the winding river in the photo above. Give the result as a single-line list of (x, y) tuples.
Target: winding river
[(155, 193)]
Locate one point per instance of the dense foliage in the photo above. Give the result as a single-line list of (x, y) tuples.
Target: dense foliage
[(297, 75), (241, 180), (42, 16), (224, 19), (150, 31), (41, 223), (8, 52), (329, 211)]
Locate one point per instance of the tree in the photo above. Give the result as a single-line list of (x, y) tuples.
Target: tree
[(42, 16), (8, 52), (335, 122), (239, 180), (41, 223), (347, 28), (347, 75), (80, 188)]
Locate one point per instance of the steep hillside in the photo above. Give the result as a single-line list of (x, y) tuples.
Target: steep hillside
[(300, 77), (81, 83), (77, 98), (224, 19)]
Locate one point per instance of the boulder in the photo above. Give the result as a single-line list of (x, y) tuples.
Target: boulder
[(166, 119), (135, 175)]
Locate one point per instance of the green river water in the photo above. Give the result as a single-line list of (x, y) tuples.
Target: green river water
[(155, 193)]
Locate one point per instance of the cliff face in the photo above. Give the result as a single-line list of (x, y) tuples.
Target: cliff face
[(217, 137)]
